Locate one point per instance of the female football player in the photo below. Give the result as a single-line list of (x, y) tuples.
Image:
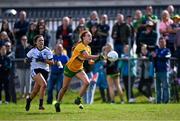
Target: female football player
[(40, 58), (74, 67)]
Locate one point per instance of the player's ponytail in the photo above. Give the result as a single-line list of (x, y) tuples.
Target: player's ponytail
[(75, 44)]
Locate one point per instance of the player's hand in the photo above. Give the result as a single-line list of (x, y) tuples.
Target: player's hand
[(40, 59), (27, 60), (101, 57), (91, 62)]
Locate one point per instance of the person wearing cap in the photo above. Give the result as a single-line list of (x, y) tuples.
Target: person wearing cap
[(149, 36), (173, 28)]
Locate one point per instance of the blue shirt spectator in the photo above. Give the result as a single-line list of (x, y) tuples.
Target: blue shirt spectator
[(56, 76), (162, 59), (63, 59), (162, 55)]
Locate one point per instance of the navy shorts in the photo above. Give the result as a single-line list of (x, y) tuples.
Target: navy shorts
[(42, 71)]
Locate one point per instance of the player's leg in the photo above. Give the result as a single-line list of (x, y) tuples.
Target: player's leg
[(111, 90), (32, 95), (40, 79), (61, 93), (119, 88), (82, 76), (64, 88)]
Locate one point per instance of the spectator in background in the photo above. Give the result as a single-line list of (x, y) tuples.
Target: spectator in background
[(165, 24), (41, 30), (177, 53), (64, 33), (149, 16), (5, 27), (71, 21), (137, 20), (148, 37), (94, 19), (56, 75), (12, 89), (4, 38), (64, 50), (96, 44), (130, 24), (138, 28), (82, 21), (173, 28), (41, 22), (23, 69), (103, 29), (79, 29), (5, 66), (31, 33), (146, 73), (161, 58), (120, 34), (170, 10), (20, 27), (102, 81), (124, 69), (89, 95)]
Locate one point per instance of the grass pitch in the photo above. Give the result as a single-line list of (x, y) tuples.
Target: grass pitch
[(94, 112)]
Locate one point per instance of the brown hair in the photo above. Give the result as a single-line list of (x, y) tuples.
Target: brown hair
[(82, 34), (35, 39)]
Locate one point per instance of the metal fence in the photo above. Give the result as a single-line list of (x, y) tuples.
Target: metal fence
[(174, 85)]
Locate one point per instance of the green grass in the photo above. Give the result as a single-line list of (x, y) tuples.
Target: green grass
[(94, 112)]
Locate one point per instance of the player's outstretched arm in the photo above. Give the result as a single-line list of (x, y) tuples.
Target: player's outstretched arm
[(87, 56)]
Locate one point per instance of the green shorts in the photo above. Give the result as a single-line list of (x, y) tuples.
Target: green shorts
[(70, 73), (114, 75)]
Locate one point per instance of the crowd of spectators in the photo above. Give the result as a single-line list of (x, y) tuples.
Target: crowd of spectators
[(133, 36)]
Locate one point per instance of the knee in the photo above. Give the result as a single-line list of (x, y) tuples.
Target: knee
[(44, 86)]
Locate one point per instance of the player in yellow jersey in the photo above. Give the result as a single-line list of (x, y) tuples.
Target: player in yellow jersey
[(74, 67)]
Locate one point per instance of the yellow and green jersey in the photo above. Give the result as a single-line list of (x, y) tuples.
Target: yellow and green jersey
[(75, 63)]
